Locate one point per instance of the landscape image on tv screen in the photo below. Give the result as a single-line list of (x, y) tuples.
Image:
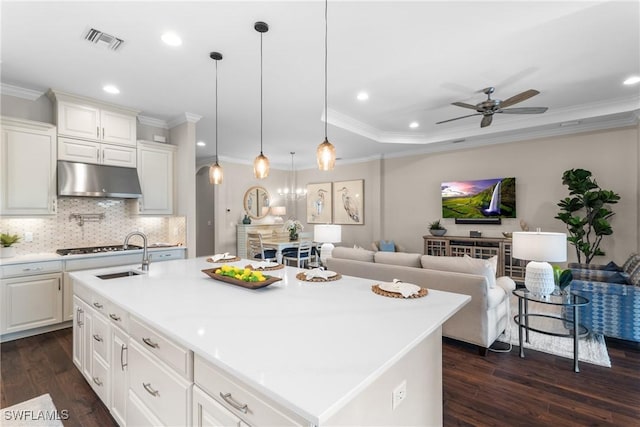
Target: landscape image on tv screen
[(484, 198)]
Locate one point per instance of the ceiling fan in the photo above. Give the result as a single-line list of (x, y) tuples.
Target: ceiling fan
[(490, 106)]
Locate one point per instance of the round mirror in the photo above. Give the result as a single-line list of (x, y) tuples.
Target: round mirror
[(257, 202)]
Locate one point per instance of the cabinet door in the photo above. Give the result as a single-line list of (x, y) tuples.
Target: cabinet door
[(78, 150), (209, 413), (118, 128), (87, 354), (68, 310), (82, 121), (119, 375), (138, 414), (118, 156), (27, 176), (31, 302), (78, 332), (155, 169)]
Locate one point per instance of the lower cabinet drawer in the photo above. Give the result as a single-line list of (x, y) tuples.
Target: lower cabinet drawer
[(118, 316), (100, 337), (100, 380), (238, 399), (163, 391), (138, 414)]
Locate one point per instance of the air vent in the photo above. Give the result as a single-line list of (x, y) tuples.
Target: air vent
[(103, 39)]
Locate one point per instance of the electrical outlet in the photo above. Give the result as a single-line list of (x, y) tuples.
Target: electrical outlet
[(399, 394), (28, 236)]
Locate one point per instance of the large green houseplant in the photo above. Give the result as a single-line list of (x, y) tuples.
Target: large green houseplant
[(586, 213)]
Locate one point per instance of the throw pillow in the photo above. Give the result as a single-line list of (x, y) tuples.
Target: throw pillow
[(634, 279), (630, 264), (389, 246), (612, 266)]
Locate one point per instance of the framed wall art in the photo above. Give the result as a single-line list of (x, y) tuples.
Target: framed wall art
[(348, 199), (319, 203)]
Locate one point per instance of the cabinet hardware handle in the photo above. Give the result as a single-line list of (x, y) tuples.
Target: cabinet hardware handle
[(150, 343), (78, 312), (97, 131), (97, 381), (32, 269), (122, 349), (102, 133), (59, 286), (97, 305), (97, 337), (114, 317), (231, 401), (152, 392)]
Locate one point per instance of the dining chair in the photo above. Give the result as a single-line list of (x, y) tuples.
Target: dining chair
[(256, 250), (301, 256)]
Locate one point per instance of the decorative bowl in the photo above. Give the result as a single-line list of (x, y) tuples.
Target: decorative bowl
[(440, 232)]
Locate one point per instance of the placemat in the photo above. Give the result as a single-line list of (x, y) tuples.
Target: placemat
[(222, 261), (303, 277), (376, 290), (275, 267)]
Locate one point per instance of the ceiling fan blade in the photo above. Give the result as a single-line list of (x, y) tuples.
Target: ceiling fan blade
[(464, 105), (519, 98), (458, 118), (524, 110), (486, 120)]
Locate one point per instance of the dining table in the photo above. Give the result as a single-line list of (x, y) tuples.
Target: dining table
[(280, 244)]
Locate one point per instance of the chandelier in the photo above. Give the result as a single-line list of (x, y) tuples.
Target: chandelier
[(292, 192)]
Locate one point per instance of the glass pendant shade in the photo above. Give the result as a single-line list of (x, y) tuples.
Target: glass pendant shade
[(261, 166), (215, 174), (326, 155)]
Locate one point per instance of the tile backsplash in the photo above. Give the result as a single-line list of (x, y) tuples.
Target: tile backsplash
[(64, 231)]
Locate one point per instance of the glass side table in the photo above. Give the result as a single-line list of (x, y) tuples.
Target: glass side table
[(549, 324)]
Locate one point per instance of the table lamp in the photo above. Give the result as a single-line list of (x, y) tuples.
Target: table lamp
[(327, 234), (278, 212), (539, 249)]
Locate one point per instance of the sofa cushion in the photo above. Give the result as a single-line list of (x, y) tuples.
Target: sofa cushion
[(631, 263), (387, 246), (464, 264), (351, 253), (398, 258)]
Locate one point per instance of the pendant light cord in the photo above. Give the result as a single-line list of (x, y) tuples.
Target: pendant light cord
[(216, 112), (325, 68), (261, 93)]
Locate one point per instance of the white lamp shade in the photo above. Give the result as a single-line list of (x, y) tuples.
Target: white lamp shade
[(278, 210), (539, 246), (327, 233)]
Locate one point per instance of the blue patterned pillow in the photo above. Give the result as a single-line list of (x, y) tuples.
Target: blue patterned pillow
[(389, 246)]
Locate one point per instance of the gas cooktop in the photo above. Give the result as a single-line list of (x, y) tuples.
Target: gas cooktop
[(96, 249)]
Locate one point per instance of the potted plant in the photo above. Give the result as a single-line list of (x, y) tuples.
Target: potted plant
[(293, 226), (6, 240), (436, 229), (586, 213)]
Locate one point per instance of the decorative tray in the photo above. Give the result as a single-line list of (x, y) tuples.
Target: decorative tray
[(270, 268), (303, 276), (211, 272), (223, 260), (376, 290)]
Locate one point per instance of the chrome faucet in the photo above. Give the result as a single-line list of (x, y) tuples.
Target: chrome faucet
[(145, 254)]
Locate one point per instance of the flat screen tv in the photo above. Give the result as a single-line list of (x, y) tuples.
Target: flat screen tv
[(479, 199)]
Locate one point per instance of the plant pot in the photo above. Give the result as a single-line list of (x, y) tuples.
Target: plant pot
[(7, 252), (440, 232), (293, 237), (246, 220)]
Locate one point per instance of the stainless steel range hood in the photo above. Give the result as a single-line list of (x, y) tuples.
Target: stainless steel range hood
[(89, 180)]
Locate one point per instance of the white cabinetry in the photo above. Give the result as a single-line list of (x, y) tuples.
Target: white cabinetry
[(78, 150), (84, 118), (27, 168), (209, 413), (155, 169), (119, 374), (82, 337)]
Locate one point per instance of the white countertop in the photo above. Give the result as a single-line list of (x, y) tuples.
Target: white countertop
[(52, 256), (309, 346)]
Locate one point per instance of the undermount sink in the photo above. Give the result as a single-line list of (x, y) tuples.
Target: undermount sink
[(118, 275)]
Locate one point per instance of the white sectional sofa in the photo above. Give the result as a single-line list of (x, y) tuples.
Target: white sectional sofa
[(480, 322)]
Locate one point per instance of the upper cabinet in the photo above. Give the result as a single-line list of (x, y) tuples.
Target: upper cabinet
[(27, 168), (79, 117), (155, 170)]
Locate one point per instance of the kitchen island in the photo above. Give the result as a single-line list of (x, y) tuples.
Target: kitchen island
[(331, 353)]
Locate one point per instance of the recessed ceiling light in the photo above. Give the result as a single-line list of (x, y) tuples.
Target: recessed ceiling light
[(363, 96), (172, 39), (201, 143), (111, 89), (414, 125), (632, 80)]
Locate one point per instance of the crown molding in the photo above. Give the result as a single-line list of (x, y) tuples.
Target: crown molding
[(152, 121), (184, 118), (20, 92)]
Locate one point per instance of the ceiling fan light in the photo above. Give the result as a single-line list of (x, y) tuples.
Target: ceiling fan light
[(326, 155), (261, 166), (215, 174)]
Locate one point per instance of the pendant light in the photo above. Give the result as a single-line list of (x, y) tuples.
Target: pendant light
[(261, 163), (215, 170), (326, 152)]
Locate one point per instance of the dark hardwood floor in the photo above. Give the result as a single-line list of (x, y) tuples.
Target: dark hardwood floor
[(497, 390)]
